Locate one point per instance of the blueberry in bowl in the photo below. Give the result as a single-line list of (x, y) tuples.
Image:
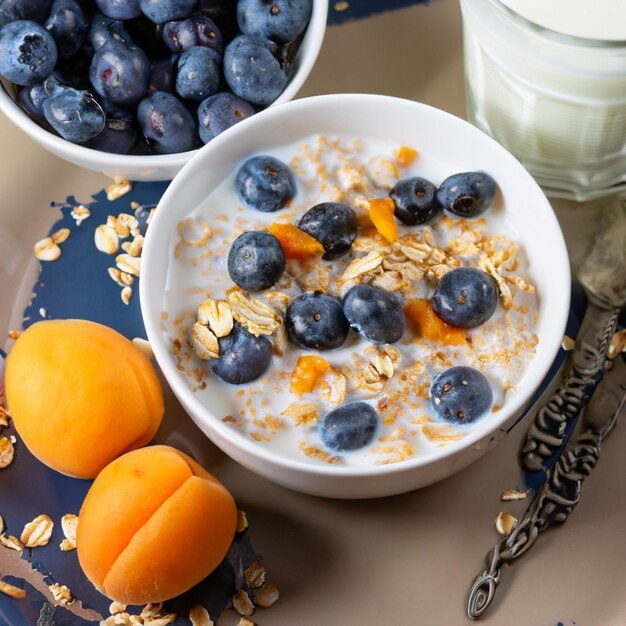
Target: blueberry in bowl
[(461, 395), (467, 194), (349, 427), (465, 297), (415, 200), (256, 261), (265, 183), (374, 313), (316, 321), (333, 224)]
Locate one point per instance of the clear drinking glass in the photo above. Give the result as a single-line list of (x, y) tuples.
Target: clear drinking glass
[(557, 102)]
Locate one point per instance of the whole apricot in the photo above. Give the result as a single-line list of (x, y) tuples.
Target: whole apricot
[(81, 394), (153, 524)]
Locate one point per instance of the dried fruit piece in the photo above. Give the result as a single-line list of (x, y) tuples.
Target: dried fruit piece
[(381, 213), (296, 243), (309, 368), (405, 156), (427, 324)]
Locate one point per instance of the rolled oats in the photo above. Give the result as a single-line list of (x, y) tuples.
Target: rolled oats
[(199, 616), (204, 342), (244, 621), (7, 452), (505, 523), (217, 315), (61, 593), (368, 264), (258, 318), (266, 596), (509, 495), (302, 413), (118, 188), (126, 294), (254, 575), (618, 344), (11, 542), (242, 521), (106, 239), (11, 590), (69, 522), (128, 263), (47, 250), (144, 346), (123, 279), (60, 235), (80, 214), (37, 532), (242, 603), (331, 387), (116, 607)]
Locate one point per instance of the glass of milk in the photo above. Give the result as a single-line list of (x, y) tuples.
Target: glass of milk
[(547, 79)]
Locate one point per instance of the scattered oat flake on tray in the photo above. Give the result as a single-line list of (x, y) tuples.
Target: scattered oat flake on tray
[(47, 250), (199, 616), (7, 452), (11, 542), (118, 188), (505, 523), (12, 590), (61, 593), (69, 522), (38, 532), (509, 495)]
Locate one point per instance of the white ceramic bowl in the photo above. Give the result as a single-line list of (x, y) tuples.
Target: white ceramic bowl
[(159, 166), (436, 133)]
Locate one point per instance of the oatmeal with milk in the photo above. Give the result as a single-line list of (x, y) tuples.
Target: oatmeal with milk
[(356, 302)]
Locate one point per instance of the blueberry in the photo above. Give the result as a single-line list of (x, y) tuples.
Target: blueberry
[(468, 193), (316, 321), (465, 297), (278, 20), (253, 71), (374, 313), (265, 183), (160, 11), (221, 12), (243, 357), (333, 225), (14, 10), (256, 260), (415, 199), (219, 112), (119, 9), (198, 73), (163, 74), (104, 30), (197, 30), (460, 395), (349, 427), (74, 114), (120, 73), (31, 99), (119, 133), (166, 123), (28, 53), (68, 26)]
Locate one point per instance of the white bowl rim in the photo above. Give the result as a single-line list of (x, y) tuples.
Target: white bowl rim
[(533, 377), (101, 160)]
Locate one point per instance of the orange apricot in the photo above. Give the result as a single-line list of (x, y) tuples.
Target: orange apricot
[(296, 243), (405, 156), (426, 323), (81, 394), (153, 524), (308, 370), (381, 213)]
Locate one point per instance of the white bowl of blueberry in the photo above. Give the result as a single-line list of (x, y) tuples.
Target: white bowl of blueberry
[(133, 88), (354, 295)]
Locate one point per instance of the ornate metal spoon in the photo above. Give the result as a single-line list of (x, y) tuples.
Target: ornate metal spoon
[(603, 275), (561, 491)]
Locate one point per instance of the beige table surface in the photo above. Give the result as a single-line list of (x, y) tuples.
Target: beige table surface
[(407, 559)]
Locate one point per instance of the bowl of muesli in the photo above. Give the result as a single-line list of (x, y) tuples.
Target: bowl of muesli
[(354, 295)]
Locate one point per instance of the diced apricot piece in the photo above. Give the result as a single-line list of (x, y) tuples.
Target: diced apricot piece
[(405, 156), (295, 242), (426, 323), (308, 370), (381, 212)]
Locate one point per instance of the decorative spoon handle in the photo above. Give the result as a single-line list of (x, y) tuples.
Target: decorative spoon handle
[(548, 429), (561, 491)]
